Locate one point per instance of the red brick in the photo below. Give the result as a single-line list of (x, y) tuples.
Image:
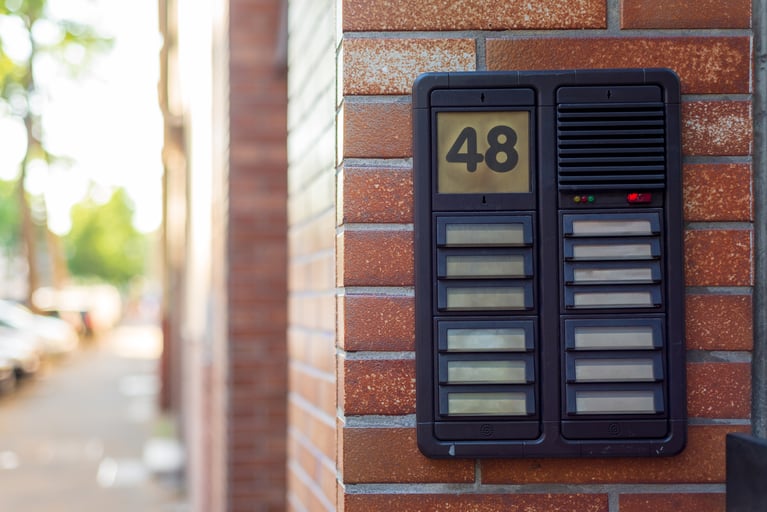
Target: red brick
[(389, 66), (703, 460), (318, 391), (377, 387), (313, 429), (377, 130), (312, 311), (314, 274), (704, 64), (375, 258), (381, 455), (673, 502), (719, 390), (512, 502), (718, 257), (321, 472), (719, 322), (685, 14), (254, 204), (717, 128), (377, 195), (377, 323), (312, 349), (315, 234), (718, 192), (311, 236), (303, 492), (377, 15)]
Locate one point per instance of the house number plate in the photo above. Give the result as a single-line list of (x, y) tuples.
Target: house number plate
[(483, 152)]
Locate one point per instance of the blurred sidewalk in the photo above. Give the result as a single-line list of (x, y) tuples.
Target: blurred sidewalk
[(84, 436)]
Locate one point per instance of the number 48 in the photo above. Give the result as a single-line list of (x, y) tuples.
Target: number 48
[(501, 140)]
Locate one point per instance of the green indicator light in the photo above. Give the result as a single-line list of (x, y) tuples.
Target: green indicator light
[(591, 199)]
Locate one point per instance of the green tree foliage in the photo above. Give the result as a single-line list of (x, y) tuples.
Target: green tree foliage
[(103, 243), (28, 33), (10, 240)]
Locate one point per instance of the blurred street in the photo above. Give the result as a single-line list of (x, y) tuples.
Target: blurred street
[(84, 434)]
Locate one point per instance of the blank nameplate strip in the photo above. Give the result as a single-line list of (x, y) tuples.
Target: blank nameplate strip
[(615, 402), (500, 265), (588, 275), (630, 227), (484, 235), (613, 299), (612, 251), (489, 340), (510, 297), (614, 337), (486, 372), (487, 404), (614, 370)]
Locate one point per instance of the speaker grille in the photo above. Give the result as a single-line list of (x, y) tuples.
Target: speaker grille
[(611, 146)]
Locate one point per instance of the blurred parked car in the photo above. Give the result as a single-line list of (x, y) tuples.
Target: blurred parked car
[(89, 309), (56, 337), (21, 349)]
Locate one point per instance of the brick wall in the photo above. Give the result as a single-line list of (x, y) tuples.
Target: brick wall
[(257, 251), (385, 45), (224, 95), (195, 232), (311, 264)]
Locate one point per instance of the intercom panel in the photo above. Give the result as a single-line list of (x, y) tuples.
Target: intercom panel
[(549, 272)]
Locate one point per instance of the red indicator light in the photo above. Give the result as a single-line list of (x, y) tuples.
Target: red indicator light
[(639, 198)]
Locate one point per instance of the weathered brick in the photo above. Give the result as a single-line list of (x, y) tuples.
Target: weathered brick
[(685, 14), (704, 64), (379, 455), (377, 323), (719, 390), (514, 502), (718, 192), (375, 258), (676, 502), (719, 322), (389, 66), (377, 15), (703, 460), (718, 257), (717, 128), (377, 130), (376, 195), (379, 386)]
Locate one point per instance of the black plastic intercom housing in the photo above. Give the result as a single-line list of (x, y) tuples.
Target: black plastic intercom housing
[(549, 282)]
